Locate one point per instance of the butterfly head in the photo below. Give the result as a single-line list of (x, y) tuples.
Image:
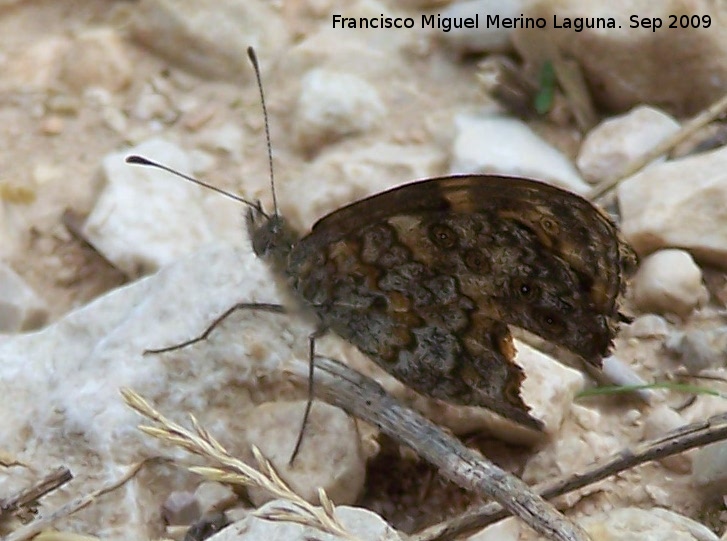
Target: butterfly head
[(271, 236)]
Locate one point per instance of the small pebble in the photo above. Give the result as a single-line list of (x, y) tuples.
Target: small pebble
[(669, 282), (181, 507)]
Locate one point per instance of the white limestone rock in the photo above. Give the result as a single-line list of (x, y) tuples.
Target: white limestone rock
[(492, 38), (669, 282), (624, 65), (209, 37), (626, 524), (699, 349), (227, 138), (507, 146), (618, 141), (97, 57), (146, 218), (647, 326), (214, 497), (360, 523), (368, 53), (333, 105), (21, 308), (678, 203), (67, 378), (583, 440), (657, 422), (710, 467), (655, 524), (274, 427), (343, 175), (37, 66), (509, 529), (181, 508)]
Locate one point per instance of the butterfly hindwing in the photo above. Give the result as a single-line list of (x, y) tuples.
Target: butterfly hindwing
[(414, 322)]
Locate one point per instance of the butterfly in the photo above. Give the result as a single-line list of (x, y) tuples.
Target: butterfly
[(425, 278)]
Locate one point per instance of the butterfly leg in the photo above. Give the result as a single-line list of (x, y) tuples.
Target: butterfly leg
[(266, 307), (311, 358)]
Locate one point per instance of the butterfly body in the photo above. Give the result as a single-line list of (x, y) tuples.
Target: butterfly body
[(425, 278)]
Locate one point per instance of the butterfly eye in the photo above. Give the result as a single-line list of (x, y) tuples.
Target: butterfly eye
[(476, 261), (443, 236)]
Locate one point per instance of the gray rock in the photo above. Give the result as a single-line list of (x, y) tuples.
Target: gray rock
[(678, 203), (616, 372), (97, 57), (647, 326), (660, 420), (669, 282), (274, 427), (181, 508), (710, 468), (627, 524), (618, 141), (333, 105), (209, 37), (145, 218), (60, 385), (214, 497), (699, 349), (359, 523), (485, 38), (507, 146), (21, 308)]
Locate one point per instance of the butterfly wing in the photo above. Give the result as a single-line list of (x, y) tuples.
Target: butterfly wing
[(424, 279)]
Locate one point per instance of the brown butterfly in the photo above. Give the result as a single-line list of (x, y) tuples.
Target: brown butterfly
[(425, 279)]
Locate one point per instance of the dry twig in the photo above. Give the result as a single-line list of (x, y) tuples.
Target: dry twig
[(28, 496), (571, 79)]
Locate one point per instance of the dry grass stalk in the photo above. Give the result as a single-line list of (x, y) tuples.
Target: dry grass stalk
[(232, 470)]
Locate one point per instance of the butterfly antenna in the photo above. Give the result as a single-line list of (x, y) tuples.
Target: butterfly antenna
[(256, 67), (140, 160)]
